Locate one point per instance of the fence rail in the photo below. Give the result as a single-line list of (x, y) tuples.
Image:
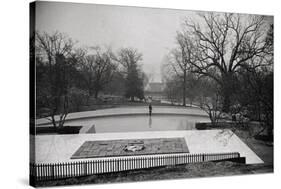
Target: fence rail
[(40, 172)]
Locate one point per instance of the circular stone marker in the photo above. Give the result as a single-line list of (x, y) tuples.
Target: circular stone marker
[(133, 147)]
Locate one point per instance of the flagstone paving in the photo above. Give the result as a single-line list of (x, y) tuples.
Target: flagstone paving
[(107, 148)]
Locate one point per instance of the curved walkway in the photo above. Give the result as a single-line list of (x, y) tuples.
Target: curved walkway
[(140, 110)]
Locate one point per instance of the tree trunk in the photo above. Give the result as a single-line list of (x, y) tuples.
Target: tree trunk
[(184, 89), (54, 121), (227, 90), (96, 94), (226, 102), (90, 92), (60, 124)]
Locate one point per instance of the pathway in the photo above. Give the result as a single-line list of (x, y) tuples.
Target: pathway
[(139, 110)]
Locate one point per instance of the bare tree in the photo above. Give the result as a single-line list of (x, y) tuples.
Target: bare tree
[(53, 52), (172, 86), (50, 45), (97, 70), (209, 99), (256, 93), (224, 43), (78, 97), (129, 58), (192, 87), (212, 106), (181, 60)]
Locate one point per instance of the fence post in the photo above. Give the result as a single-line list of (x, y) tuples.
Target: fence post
[(52, 171), (118, 164), (85, 168), (79, 168), (70, 169)]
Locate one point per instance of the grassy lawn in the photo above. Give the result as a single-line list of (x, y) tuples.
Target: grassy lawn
[(261, 148)]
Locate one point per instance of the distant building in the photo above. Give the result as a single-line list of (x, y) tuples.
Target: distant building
[(155, 90)]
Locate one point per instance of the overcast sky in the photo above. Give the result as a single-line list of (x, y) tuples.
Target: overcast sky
[(152, 31)]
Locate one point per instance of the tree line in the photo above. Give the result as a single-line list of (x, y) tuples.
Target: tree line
[(224, 62), (67, 76)]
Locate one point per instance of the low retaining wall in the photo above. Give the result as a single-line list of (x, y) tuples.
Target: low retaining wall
[(224, 124)]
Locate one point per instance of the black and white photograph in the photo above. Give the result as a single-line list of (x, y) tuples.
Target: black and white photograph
[(126, 94)]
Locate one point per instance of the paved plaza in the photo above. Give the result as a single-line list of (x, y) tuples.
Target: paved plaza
[(109, 148), (130, 124), (60, 148), (122, 111)]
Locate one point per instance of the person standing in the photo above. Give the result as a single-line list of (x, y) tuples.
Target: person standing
[(150, 109)]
